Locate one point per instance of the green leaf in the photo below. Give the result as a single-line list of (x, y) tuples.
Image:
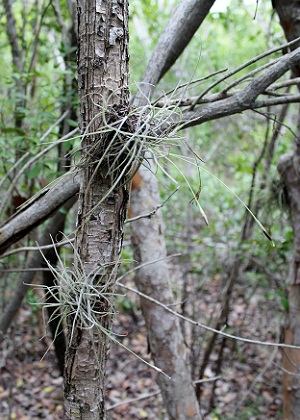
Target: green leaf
[(72, 123), (34, 171)]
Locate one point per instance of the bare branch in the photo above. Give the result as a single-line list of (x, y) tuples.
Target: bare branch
[(206, 327), (38, 210), (276, 100), (24, 270), (162, 100), (152, 212), (36, 248), (183, 24), (131, 400), (245, 99), (243, 66), (281, 100)]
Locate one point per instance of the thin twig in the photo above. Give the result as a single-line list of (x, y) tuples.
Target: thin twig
[(247, 76), (151, 213), (131, 400), (198, 324), (35, 248), (189, 83), (284, 83), (201, 381), (22, 270), (241, 67)]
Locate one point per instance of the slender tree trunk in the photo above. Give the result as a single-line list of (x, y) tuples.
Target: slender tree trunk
[(184, 22), (167, 344), (69, 37), (54, 226), (102, 80), (166, 341), (289, 168)]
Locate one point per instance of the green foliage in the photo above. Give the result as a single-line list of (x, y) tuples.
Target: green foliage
[(33, 299), (33, 98), (251, 408), (126, 304), (230, 148)]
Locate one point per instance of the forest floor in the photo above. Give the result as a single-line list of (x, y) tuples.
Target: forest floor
[(248, 387)]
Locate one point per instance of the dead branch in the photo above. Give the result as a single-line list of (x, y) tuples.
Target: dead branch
[(243, 66), (206, 327), (245, 99), (38, 210), (186, 19)]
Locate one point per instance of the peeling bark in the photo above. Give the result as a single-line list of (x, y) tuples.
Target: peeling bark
[(102, 81)]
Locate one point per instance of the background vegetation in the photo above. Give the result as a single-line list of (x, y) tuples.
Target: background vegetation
[(240, 161)]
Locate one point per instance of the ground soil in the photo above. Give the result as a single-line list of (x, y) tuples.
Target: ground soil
[(248, 387)]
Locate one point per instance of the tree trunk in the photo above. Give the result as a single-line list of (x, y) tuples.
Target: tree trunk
[(166, 342), (289, 168), (102, 80)]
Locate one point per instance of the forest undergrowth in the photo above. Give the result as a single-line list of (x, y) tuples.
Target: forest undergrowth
[(249, 386)]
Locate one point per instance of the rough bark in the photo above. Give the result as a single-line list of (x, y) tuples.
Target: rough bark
[(102, 81), (288, 12), (289, 168)]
